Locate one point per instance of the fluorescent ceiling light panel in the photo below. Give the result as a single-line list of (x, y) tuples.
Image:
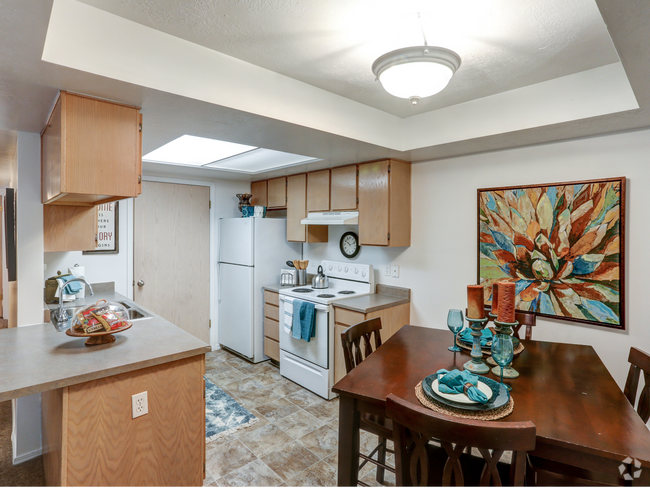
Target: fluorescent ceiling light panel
[(260, 160), (195, 151)]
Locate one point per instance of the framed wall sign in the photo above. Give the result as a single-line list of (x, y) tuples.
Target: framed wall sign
[(107, 229), (562, 244)]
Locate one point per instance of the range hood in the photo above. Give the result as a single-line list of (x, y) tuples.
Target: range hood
[(331, 218)]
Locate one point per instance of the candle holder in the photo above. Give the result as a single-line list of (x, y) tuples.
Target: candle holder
[(505, 328), (476, 365)]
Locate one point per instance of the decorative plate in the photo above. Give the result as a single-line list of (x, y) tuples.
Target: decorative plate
[(461, 397), (499, 398)]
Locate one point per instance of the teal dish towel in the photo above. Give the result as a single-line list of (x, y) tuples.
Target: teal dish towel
[(72, 288), (466, 336), (454, 382), (296, 329), (308, 320)]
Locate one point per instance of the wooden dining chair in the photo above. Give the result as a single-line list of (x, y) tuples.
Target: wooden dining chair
[(639, 361), (354, 339), (525, 319), (420, 463)]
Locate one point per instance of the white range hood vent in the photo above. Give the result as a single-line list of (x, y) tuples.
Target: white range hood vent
[(331, 218)]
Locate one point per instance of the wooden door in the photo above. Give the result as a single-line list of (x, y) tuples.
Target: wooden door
[(318, 191), (171, 254), (296, 207), (277, 193), (373, 203), (344, 188)]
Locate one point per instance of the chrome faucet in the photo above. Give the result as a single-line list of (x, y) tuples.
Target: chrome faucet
[(60, 317)]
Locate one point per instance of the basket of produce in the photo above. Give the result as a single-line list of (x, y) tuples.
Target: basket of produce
[(98, 322)]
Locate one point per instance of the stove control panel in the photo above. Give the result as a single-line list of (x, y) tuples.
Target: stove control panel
[(349, 271)]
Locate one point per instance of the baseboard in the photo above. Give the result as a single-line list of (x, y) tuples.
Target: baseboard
[(27, 456)]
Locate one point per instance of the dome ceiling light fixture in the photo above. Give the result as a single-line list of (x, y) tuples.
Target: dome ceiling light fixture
[(416, 72)]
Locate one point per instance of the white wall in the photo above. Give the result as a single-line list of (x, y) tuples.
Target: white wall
[(26, 435), (442, 259)]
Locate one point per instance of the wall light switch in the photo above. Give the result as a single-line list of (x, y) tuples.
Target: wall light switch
[(387, 270), (394, 271), (140, 404)]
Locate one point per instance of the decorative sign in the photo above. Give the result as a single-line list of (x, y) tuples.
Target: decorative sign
[(107, 229)]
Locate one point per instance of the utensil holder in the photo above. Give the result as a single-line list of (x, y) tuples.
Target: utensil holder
[(302, 277)]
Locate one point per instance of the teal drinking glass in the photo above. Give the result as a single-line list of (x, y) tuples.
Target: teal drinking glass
[(455, 324), (503, 352)]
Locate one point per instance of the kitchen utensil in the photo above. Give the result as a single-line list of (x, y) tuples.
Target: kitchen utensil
[(290, 264), (320, 280), (296, 264)]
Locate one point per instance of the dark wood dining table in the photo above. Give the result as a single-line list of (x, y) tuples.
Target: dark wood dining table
[(582, 417)]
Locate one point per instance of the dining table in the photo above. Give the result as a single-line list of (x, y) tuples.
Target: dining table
[(582, 417)]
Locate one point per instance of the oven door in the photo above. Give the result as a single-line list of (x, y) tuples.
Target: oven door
[(315, 351)]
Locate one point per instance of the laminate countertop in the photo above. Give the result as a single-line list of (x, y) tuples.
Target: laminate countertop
[(37, 358), (385, 297)]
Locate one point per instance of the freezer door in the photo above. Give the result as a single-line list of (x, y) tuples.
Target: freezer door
[(236, 308), (236, 241)]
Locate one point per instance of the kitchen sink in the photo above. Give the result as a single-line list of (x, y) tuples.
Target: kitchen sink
[(134, 312)]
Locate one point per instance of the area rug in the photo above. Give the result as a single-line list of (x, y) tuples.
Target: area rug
[(223, 415)]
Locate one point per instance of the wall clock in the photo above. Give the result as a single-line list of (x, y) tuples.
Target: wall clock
[(350, 244)]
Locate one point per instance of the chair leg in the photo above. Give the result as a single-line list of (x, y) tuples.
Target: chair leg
[(381, 458)]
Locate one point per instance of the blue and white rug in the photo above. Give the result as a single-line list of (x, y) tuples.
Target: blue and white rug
[(223, 415)]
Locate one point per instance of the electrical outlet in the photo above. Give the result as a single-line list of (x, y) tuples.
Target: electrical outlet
[(394, 270), (387, 270), (140, 404)]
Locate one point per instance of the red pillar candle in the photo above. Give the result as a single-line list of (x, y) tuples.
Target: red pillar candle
[(506, 303), (495, 299), (475, 302)]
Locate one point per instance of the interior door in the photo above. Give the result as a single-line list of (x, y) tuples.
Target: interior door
[(171, 254)]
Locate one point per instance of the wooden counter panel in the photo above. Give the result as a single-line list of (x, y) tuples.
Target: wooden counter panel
[(347, 317), (272, 298), (272, 329), (271, 311), (54, 415), (165, 447)]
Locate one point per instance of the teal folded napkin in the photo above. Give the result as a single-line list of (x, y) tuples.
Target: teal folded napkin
[(466, 336), (454, 382)]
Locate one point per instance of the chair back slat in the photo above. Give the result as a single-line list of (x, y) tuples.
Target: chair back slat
[(412, 423), (639, 362), (359, 336)]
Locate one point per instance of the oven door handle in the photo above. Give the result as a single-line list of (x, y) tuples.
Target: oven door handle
[(322, 308)]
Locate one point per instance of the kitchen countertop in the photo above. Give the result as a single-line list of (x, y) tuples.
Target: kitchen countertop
[(37, 358), (385, 297)]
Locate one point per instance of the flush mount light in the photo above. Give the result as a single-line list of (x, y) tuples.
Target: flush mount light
[(416, 72), (195, 151)]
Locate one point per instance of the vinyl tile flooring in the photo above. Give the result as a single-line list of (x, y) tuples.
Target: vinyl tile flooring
[(293, 443)]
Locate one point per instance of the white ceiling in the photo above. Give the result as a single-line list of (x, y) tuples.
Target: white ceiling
[(295, 76)]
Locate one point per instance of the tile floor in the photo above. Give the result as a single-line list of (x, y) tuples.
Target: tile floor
[(293, 443)]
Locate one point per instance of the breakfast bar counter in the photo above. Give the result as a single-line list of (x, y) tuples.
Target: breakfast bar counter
[(88, 431)]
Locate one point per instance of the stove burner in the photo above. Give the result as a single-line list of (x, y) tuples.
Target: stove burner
[(303, 290), (325, 295), (347, 292)]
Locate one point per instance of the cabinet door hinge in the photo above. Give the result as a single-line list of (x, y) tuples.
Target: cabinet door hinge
[(96, 238), (210, 204), (389, 168), (357, 172), (140, 126), (210, 324), (389, 236), (357, 201), (139, 179)]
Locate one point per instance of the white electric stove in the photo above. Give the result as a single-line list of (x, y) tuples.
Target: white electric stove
[(311, 364)]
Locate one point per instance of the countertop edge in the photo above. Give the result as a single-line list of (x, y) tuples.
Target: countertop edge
[(395, 303), (85, 377)]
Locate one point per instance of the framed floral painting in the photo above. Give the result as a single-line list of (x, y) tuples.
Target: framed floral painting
[(563, 246)]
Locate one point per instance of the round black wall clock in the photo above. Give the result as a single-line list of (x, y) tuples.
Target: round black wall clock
[(349, 244)]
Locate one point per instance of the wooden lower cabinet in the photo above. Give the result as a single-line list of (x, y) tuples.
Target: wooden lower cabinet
[(392, 320), (90, 438), (272, 325)]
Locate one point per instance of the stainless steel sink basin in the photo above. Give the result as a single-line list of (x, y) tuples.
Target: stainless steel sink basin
[(134, 312)]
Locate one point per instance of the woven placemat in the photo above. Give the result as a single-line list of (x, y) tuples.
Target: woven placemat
[(495, 414), (487, 350)]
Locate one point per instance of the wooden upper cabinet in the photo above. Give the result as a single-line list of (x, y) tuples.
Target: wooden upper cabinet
[(344, 188), (69, 228), (258, 190), (297, 210), (318, 191), (277, 193), (91, 151), (385, 203)]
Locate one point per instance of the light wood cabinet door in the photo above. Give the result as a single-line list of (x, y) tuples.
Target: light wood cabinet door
[(318, 191), (344, 188), (373, 203), (277, 193), (69, 228), (297, 210), (258, 190), (92, 151)]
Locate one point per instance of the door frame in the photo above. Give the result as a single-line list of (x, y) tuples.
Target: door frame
[(213, 251)]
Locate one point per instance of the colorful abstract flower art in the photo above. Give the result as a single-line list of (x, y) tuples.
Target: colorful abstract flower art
[(561, 244)]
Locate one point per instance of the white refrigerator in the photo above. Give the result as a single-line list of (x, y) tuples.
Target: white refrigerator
[(251, 253)]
